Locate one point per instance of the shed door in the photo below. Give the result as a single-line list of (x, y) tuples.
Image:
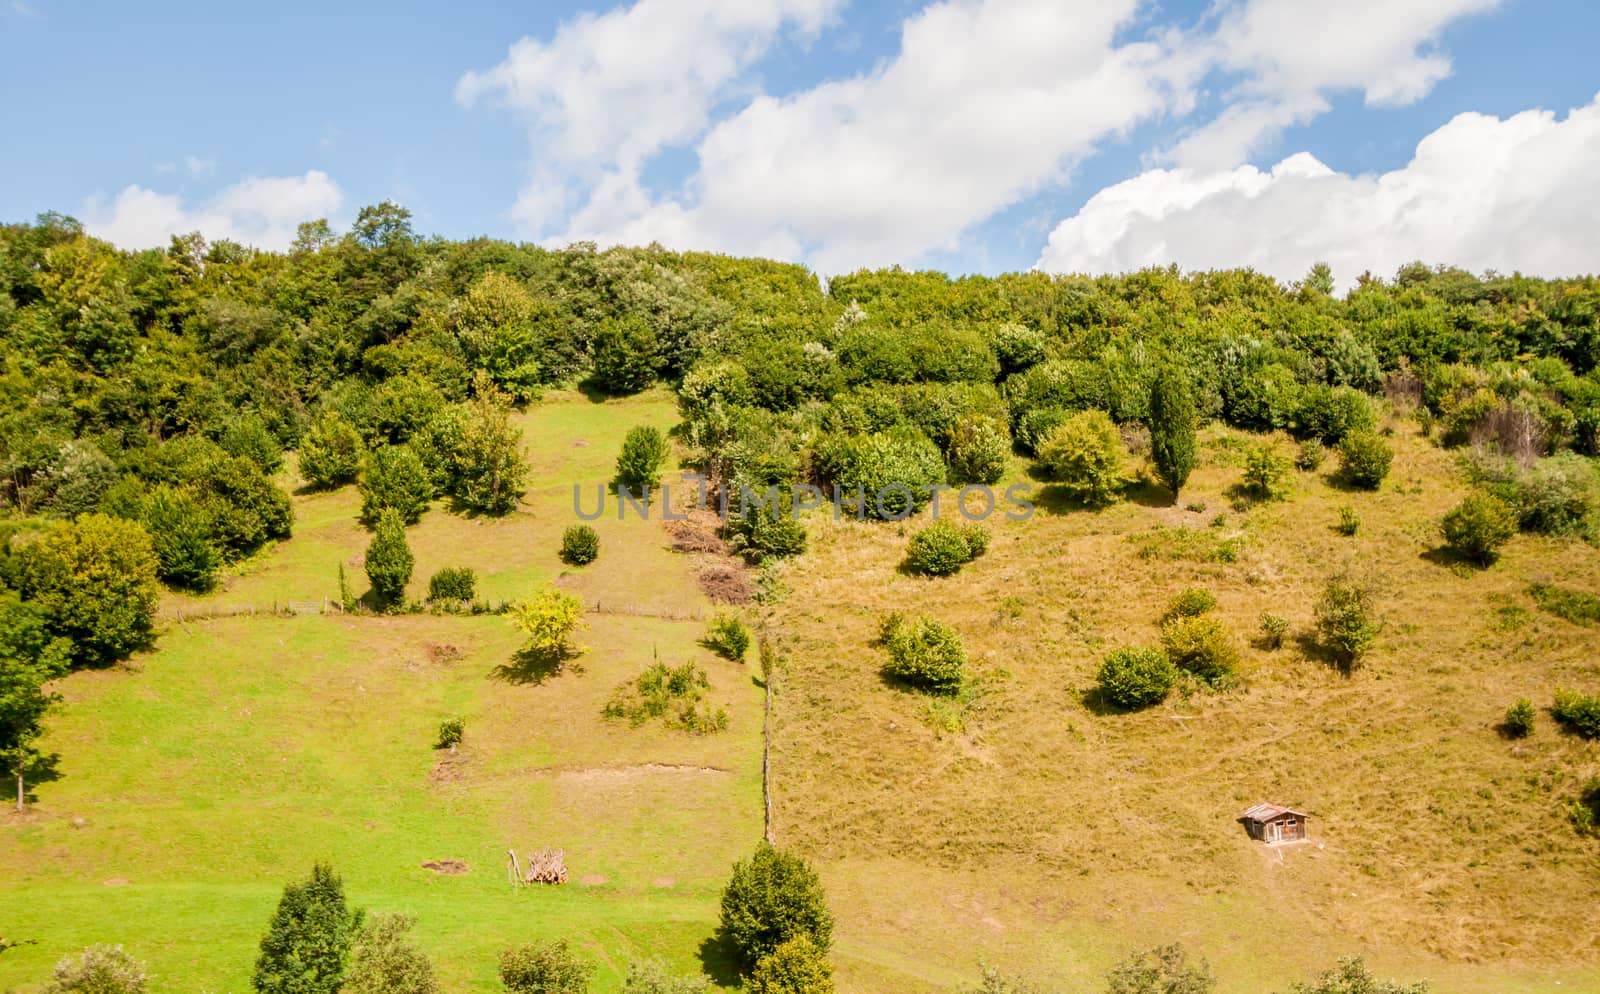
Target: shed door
[(1274, 831)]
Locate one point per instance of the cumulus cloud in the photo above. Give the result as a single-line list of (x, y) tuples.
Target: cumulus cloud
[(1480, 193), (260, 210)]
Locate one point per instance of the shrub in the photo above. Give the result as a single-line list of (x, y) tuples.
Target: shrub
[(453, 583), (486, 469), (544, 968), (651, 977), (308, 943), (95, 579), (1572, 605), (760, 532), (1364, 459), (1352, 977), (942, 548), (1134, 678), (1190, 602), (247, 435), (1274, 628), (389, 559), (549, 618), (1262, 397), (1349, 522), (1085, 457), (1585, 808), (1035, 425), (1556, 496), (795, 967), (382, 961), (450, 732), (1201, 646), (644, 453), (626, 356), (79, 478), (773, 897), (894, 471), (1019, 348), (1162, 970), (394, 479), (1331, 413), (180, 535), (1310, 455), (728, 637), (580, 545), (1580, 713), (98, 970), (924, 653), (1347, 619), (1266, 474), (1475, 528), (1172, 427), (1519, 718), (674, 694), (979, 447)]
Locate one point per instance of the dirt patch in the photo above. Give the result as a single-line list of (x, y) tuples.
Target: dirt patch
[(442, 652), (593, 879), (664, 882), (612, 773), (116, 882), (445, 771), (580, 443), (726, 583), (448, 867)]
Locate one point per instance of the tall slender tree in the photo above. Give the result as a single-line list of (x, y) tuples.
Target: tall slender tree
[(1172, 427)]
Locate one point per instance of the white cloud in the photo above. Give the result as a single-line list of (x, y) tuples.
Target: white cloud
[(1480, 193), (259, 211)]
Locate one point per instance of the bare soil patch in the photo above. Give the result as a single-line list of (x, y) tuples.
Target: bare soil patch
[(448, 867)]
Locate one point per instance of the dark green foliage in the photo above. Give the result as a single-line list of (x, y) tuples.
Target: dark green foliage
[(487, 471), (1201, 646), (1579, 713), (1347, 618), (1134, 678), (979, 447), (30, 657), (1364, 459), (924, 653), (942, 548), (1262, 397), (1331, 413), (1555, 496), (544, 968), (1172, 428), (330, 452), (394, 479), (1018, 348), (893, 473), (180, 534), (771, 898), (1575, 606), (1352, 977), (1519, 719), (98, 970), (451, 731), (1585, 808), (1036, 425), (382, 961), (1476, 528), (307, 945), (759, 532), (389, 559), (643, 455), (676, 695), (625, 356), (795, 967), (1084, 456), (453, 583), (247, 436), (1162, 970), (1266, 474), (580, 545), (1190, 602), (95, 580), (728, 637)]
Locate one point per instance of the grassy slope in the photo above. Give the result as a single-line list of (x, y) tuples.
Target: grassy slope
[(1051, 839), (209, 772)]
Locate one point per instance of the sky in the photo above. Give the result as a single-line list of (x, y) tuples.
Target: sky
[(972, 136)]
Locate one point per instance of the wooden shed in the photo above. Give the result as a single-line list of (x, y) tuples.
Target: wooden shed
[(1273, 823)]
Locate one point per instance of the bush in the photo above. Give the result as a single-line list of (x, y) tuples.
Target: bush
[(1310, 455), (1519, 718), (1035, 425), (1162, 970), (95, 580), (674, 694), (486, 469), (1331, 413), (1019, 348), (1190, 602), (1274, 628), (894, 471), (1201, 646), (941, 549), (760, 533), (771, 898), (1352, 977), (453, 583), (1085, 457), (97, 970), (79, 478), (1475, 528), (330, 452), (1556, 496), (1349, 522), (1266, 474), (383, 962), (308, 943), (394, 479), (644, 453), (651, 977), (626, 358), (795, 967), (549, 618), (1347, 619), (544, 968), (979, 447), (1135, 678), (1364, 459), (389, 559), (1585, 808), (1172, 428), (450, 732), (580, 545), (1580, 713), (728, 637), (247, 435), (924, 653), (180, 535)]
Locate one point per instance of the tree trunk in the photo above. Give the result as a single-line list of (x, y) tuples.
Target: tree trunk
[(19, 792)]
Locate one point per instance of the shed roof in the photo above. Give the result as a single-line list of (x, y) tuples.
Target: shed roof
[(1269, 812)]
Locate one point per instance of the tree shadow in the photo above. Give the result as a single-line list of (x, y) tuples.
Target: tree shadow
[(1058, 500), (591, 391), (719, 960), (1313, 649), (1454, 561), (1149, 493), (535, 665)]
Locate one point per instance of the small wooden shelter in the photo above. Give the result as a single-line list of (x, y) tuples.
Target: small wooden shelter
[(1272, 823)]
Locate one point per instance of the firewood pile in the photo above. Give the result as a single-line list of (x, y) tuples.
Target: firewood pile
[(548, 866)]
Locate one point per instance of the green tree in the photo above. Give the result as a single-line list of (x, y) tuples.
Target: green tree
[(1364, 459), (771, 898), (95, 579), (30, 657), (979, 448), (307, 945), (389, 559), (1136, 677), (1347, 618), (98, 970), (496, 323), (489, 471), (394, 479), (580, 545), (1162, 970), (330, 451), (626, 355), (1172, 427), (1351, 976), (79, 478), (1266, 474), (1085, 457), (795, 967), (544, 968), (924, 653), (384, 961), (180, 533), (549, 619), (247, 435), (1478, 526), (644, 453)]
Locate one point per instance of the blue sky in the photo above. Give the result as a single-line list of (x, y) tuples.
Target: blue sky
[(971, 136)]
